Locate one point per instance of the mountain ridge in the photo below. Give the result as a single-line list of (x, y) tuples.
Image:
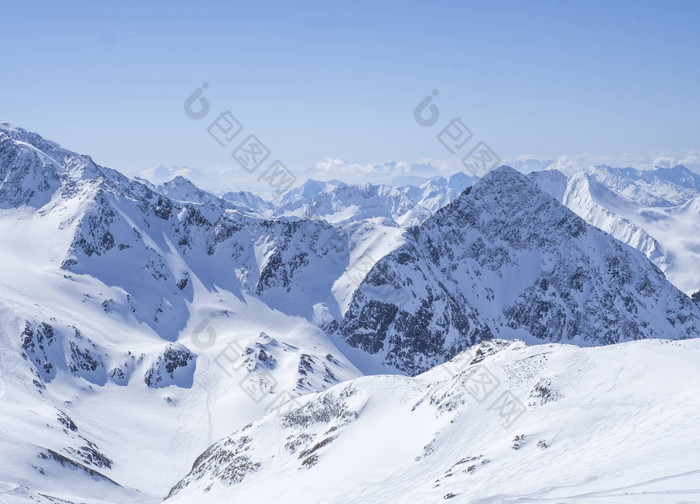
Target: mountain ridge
[(514, 258), (170, 317)]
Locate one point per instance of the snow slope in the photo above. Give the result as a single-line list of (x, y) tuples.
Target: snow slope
[(135, 328), (654, 211), (614, 424)]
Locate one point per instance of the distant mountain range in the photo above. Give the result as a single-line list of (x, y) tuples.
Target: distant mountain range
[(655, 211)]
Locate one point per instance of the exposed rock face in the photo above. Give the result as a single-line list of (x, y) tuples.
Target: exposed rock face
[(308, 430), (28, 176), (505, 259), (175, 366), (49, 349), (450, 433), (122, 232), (655, 211)]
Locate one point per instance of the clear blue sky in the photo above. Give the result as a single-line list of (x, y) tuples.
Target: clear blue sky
[(331, 79)]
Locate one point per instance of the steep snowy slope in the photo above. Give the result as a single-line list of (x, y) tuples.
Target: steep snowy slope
[(249, 201), (601, 207), (553, 182), (154, 246), (652, 211), (184, 191), (84, 435), (371, 219), (507, 260), (652, 188), (135, 328), (506, 423)]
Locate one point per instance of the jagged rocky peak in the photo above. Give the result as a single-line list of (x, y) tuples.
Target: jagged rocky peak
[(181, 189), (28, 138), (104, 218), (645, 209), (505, 259), (27, 175), (34, 170)]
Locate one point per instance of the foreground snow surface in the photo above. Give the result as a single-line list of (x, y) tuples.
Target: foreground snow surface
[(612, 424)]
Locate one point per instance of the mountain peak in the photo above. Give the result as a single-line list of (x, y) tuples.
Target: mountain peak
[(504, 180), (508, 260), (502, 173), (182, 189)]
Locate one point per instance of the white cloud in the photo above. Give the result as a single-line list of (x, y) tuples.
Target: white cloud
[(219, 179), (570, 164), (690, 159), (381, 173), (160, 174)]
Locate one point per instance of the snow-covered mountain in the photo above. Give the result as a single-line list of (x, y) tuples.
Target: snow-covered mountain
[(182, 190), (505, 423), (249, 201), (654, 211), (371, 217), (141, 323), (337, 202), (660, 187), (507, 260), (355, 202), (439, 191), (134, 323)]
